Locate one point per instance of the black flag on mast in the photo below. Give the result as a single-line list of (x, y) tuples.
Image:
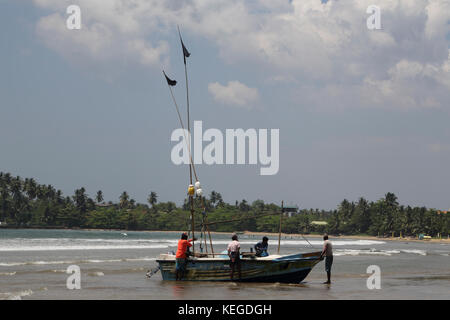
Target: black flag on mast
[(186, 53), (170, 82)]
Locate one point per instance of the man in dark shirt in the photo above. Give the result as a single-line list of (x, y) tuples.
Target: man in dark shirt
[(261, 247)]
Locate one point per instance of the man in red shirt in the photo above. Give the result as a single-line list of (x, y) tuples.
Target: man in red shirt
[(181, 257)]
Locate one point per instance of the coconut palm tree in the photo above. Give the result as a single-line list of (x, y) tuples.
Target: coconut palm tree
[(99, 196), (124, 200), (80, 199), (152, 198), (213, 197), (220, 202)]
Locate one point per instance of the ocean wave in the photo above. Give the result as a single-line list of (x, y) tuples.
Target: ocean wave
[(415, 251), (15, 295), (304, 242), (355, 252), (55, 244), (7, 273), (91, 240), (28, 263), (37, 247), (373, 251)]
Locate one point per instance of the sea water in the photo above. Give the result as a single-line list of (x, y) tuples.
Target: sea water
[(113, 265)]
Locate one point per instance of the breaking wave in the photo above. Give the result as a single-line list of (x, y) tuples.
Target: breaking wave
[(27, 263), (376, 252), (15, 295), (58, 244)]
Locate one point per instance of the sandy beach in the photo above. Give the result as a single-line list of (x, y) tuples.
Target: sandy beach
[(358, 237)]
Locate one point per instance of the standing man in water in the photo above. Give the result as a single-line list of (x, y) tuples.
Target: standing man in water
[(234, 252), (181, 257), (328, 253)]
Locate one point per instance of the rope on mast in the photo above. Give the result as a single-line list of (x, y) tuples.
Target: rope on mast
[(184, 132)]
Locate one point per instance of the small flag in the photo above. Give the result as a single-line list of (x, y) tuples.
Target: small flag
[(170, 82), (186, 53)]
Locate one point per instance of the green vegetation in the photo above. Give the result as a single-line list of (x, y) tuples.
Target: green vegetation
[(25, 203)]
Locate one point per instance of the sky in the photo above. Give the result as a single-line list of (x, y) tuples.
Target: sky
[(360, 112)]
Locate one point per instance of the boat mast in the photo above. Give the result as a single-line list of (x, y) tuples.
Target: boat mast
[(191, 197), (191, 194), (191, 189)]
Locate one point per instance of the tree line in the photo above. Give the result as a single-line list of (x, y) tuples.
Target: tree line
[(24, 203)]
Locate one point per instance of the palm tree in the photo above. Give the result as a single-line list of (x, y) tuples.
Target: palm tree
[(81, 203), (171, 206), (59, 197), (391, 199), (243, 206), (124, 197), (152, 198), (30, 188), (4, 195), (51, 192), (258, 205), (17, 197), (7, 178), (99, 196), (213, 197), (220, 202)]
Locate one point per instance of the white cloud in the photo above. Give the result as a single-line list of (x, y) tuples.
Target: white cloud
[(325, 47), (111, 31), (411, 84), (234, 93), (438, 12)]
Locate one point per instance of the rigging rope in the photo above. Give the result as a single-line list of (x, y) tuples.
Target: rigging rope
[(306, 240), (184, 133)]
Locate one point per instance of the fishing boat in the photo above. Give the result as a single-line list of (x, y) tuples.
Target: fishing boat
[(292, 268), (274, 268)]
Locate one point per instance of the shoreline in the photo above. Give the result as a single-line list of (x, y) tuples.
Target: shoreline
[(253, 233), (357, 237)]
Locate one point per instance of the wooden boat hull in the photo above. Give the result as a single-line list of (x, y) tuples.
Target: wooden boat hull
[(283, 269)]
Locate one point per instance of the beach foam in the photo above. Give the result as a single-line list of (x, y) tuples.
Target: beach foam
[(55, 244), (27, 263), (15, 295), (415, 251), (373, 251)]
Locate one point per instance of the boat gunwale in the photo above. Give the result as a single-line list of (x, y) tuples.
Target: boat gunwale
[(274, 259)]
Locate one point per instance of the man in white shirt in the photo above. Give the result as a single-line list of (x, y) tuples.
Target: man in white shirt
[(328, 253), (233, 252)]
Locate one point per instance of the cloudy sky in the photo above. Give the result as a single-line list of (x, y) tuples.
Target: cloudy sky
[(360, 112)]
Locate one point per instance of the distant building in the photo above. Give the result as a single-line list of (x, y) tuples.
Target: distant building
[(319, 223), (290, 210), (105, 205), (443, 211)]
